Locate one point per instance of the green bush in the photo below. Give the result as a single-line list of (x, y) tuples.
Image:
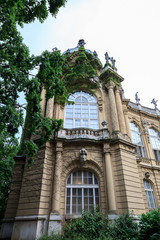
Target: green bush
[(124, 228), (149, 225), (91, 225), (51, 237)]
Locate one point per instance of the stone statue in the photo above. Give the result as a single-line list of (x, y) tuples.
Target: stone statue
[(137, 99), (95, 54), (107, 57), (81, 43), (155, 103), (83, 156), (113, 61)]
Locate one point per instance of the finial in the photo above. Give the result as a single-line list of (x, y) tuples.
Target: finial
[(81, 43), (137, 99), (155, 103), (54, 49)]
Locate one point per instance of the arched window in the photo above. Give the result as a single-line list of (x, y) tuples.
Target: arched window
[(82, 192), (83, 113), (155, 142), (149, 195), (137, 140)]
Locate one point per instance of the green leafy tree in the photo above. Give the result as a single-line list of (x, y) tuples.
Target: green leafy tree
[(149, 225), (16, 66)]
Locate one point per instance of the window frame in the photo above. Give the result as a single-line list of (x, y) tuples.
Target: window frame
[(82, 186), (140, 148), (155, 140), (150, 196), (90, 108)]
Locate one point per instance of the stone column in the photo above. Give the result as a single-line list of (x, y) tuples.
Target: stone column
[(127, 123), (120, 111), (55, 218), (43, 101), (50, 107), (109, 179), (113, 109), (57, 179)]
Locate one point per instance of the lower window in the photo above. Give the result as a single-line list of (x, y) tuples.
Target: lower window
[(149, 195), (82, 192)]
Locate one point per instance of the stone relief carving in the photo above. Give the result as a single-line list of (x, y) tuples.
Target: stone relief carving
[(83, 156), (147, 174), (100, 106)]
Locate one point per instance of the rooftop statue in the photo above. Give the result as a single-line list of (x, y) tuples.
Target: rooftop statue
[(155, 103), (113, 61), (137, 99), (95, 54), (107, 57)]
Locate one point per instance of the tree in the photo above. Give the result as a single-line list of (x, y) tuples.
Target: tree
[(16, 65)]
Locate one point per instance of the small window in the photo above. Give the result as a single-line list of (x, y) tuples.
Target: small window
[(83, 113), (155, 142), (137, 140), (149, 195), (82, 192)]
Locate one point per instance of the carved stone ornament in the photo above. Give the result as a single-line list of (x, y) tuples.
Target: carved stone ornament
[(147, 174), (83, 156)]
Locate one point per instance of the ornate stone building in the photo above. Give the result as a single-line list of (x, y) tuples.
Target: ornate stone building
[(107, 154)]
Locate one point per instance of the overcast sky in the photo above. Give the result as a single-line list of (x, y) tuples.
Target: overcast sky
[(129, 30)]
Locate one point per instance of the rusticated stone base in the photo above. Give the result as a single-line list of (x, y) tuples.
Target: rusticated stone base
[(29, 227), (54, 225)]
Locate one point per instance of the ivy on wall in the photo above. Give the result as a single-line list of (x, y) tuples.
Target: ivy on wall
[(79, 73)]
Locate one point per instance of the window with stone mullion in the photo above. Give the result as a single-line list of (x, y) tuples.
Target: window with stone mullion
[(149, 195), (155, 142), (84, 113), (137, 140), (82, 192)]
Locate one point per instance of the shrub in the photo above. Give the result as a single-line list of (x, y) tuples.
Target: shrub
[(51, 237), (125, 227), (91, 225), (149, 225)]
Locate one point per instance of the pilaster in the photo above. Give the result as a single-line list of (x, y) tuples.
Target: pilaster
[(55, 216), (113, 109), (50, 108), (43, 101), (120, 111), (109, 179)]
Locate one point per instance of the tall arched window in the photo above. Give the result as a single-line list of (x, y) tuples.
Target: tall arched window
[(149, 194), (83, 113), (137, 140), (155, 142), (82, 192)]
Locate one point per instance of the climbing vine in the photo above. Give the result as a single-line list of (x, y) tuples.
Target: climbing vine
[(80, 70)]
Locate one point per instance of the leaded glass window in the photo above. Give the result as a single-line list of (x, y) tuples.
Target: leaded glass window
[(137, 140), (83, 113), (149, 195), (82, 192), (155, 142)]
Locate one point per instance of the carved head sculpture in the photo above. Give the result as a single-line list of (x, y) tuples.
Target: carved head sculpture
[(83, 155), (147, 174)]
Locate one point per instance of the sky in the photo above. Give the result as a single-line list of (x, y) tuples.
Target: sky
[(129, 30)]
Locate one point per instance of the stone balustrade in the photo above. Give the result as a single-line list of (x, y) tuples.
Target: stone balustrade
[(83, 133)]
